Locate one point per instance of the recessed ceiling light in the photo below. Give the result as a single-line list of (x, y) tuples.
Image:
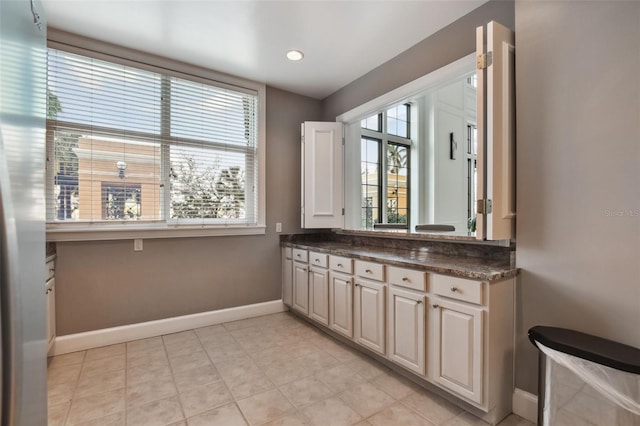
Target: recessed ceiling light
[(295, 55)]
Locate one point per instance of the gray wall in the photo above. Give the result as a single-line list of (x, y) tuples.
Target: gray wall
[(105, 284), (445, 46), (578, 136)]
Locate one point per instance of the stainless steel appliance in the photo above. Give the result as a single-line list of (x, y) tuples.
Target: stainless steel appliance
[(22, 213)]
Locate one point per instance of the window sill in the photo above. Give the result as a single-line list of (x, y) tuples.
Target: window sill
[(57, 233)]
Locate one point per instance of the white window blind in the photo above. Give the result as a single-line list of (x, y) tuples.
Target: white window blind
[(127, 145)]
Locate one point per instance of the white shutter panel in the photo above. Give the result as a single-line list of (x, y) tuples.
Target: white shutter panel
[(496, 132), (322, 175)]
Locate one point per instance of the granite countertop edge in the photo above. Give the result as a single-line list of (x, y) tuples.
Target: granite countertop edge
[(463, 267)]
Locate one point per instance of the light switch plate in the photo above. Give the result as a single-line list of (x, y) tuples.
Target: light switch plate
[(278, 227), (137, 244)]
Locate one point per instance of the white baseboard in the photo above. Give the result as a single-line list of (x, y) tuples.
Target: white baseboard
[(111, 336), (525, 405)]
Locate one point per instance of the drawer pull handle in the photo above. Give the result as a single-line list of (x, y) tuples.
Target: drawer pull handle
[(317, 260), (298, 255), (368, 271), (454, 289), (419, 302), (435, 306), (340, 265), (405, 279)]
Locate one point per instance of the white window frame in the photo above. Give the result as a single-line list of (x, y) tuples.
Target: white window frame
[(163, 229)]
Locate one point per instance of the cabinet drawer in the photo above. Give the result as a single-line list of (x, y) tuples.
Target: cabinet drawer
[(373, 271), (288, 252), (51, 269), (341, 264), (300, 255), (409, 278), (319, 259), (457, 288)]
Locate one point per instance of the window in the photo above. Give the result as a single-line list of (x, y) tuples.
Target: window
[(131, 146), (385, 146)]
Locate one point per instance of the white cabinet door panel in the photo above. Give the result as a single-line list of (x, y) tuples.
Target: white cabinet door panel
[(341, 303), (458, 348), (370, 315), (301, 287), (319, 295), (407, 329), (287, 280)]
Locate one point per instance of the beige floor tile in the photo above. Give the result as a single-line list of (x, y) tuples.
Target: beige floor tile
[(398, 414), (264, 407), (339, 378), (145, 345), (212, 340), (367, 367), (364, 423), (340, 352), (152, 357), (105, 352), (305, 391), (288, 372), (249, 384), (57, 414), (145, 392), (179, 349), (195, 377), (157, 413), (237, 367), (366, 399), (117, 419), (395, 385), (60, 393), (212, 330), (514, 420), (180, 423), (104, 365), (96, 406), (195, 359), (204, 398), (179, 338), (296, 419), (143, 373), (66, 359), (63, 374), (331, 412), (275, 354), (319, 360), (227, 415), (219, 353), (100, 383), (432, 407)]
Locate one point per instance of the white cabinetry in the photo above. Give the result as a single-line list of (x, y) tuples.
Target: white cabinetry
[(300, 281), (341, 295), (407, 328), (457, 347), (50, 290), (287, 276), (370, 307), (319, 288)]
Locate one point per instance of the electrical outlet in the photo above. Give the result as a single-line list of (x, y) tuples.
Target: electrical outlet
[(137, 244), (278, 227)]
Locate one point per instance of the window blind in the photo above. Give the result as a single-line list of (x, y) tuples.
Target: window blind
[(131, 145)]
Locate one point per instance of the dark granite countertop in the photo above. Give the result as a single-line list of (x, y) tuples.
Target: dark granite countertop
[(477, 268)]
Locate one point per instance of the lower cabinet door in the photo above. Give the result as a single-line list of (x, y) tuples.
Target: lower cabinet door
[(51, 312), (287, 280), (341, 303), (301, 287), (407, 329), (458, 348), (319, 295), (369, 312)]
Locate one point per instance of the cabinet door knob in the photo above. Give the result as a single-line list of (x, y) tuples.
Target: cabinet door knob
[(435, 306), (368, 271), (419, 302), (454, 289), (357, 285)]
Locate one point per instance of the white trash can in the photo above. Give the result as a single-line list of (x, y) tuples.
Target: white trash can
[(585, 380)]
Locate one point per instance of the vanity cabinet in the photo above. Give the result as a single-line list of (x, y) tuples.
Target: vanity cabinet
[(455, 333), (341, 295), (407, 319), (50, 290), (370, 306)]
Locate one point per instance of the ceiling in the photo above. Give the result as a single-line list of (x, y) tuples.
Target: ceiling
[(341, 40)]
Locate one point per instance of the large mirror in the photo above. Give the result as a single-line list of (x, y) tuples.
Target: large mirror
[(410, 156)]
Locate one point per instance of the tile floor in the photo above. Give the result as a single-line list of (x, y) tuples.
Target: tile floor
[(274, 370)]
